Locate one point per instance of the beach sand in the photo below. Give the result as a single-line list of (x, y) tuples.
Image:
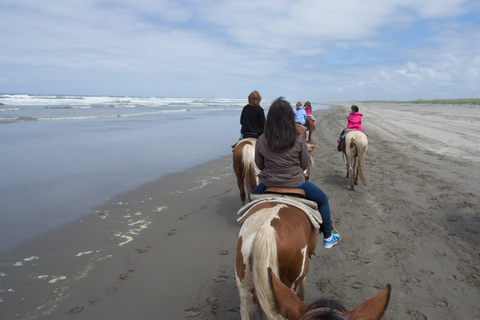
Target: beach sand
[(167, 249)]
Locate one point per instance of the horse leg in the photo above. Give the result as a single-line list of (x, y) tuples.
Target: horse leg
[(241, 187), (352, 163), (245, 284), (355, 170), (347, 163), (301, 290)]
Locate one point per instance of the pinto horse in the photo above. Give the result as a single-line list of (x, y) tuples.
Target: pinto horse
[(277, 236), (289, 306), (354, 147), (244, 166)]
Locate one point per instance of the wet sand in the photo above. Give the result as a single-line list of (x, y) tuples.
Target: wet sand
[(167, 249)]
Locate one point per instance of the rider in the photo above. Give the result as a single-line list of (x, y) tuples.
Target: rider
[(354, 123), (282, 155), (308, 109), (252, 118), (301, 117)]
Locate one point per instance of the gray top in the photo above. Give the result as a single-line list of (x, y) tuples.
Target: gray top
[(282, 168)]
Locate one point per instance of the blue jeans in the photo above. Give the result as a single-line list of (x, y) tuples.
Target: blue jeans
[(314, 193)]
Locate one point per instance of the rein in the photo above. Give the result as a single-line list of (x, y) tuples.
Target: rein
[(325, 311)]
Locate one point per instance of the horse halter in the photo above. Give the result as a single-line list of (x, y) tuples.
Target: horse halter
[(325, 311)]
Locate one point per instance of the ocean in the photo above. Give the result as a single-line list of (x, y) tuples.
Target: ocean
[(61, 156)]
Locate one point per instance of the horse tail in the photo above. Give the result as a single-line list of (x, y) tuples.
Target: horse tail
[(264, 257), (362, 145), (250, 170)]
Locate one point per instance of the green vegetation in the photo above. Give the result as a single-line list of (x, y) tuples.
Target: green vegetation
[(436, 101)]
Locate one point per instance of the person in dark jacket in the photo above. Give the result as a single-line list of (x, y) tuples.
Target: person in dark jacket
[(282, 155), (252, 118)]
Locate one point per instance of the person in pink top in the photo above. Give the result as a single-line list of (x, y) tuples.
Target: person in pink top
[(308, 108), (354, 119)]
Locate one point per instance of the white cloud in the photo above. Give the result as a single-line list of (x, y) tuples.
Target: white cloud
[(292, 48)]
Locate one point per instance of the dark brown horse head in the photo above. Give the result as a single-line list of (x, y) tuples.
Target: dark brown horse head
[(291, 307)]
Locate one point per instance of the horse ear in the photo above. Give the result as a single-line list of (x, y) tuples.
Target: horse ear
[(311, 147), (373, 308), (286, 301)]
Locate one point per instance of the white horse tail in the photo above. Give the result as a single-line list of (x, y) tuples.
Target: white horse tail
[(265, 256), (250, 170), (362, 145)]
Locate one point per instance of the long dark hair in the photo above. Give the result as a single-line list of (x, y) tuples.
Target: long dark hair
[(280, 128)]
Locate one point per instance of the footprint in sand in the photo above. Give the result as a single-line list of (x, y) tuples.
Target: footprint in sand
[(441, 303), (221, 278), (75, 310), (124, 276), (192, 312), (416, 315)]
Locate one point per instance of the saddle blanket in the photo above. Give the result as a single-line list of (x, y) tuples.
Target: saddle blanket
[(310, 208)]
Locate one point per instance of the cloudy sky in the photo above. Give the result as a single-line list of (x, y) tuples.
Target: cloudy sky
[(304, 49)]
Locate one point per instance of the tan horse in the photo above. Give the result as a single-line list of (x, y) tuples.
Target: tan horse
[(277, 236), (290, 307), (301, 129), (245, 167), (354, 148)]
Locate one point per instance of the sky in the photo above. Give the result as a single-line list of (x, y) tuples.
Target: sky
[(315, 50)]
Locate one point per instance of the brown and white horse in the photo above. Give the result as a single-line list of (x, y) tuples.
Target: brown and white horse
[(290, 307), (354, 148), (276, 236), (245, 167)]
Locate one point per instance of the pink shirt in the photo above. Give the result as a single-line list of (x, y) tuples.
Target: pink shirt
[(355, 121), (309, 112)]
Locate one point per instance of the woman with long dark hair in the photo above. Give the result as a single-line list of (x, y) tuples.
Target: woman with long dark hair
[(282, 155)]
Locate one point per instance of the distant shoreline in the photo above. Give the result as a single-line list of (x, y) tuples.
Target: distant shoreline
[(473, 101)]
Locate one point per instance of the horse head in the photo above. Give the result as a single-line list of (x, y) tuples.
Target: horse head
[(291, 307)]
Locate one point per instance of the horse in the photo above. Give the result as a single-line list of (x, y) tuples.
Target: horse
[(289, 305), (354, 148), (244, 166), (278, 236), (275, 235), (311, 120), (301, 129)]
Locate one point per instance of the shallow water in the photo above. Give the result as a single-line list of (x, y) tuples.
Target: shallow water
[(62, 156)]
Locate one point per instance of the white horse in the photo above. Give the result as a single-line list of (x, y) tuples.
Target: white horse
[(356, 145)]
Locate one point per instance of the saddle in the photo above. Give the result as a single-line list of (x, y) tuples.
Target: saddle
[(293, 192), (290, 196)]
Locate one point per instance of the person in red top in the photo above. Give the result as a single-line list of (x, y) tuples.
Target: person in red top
[(354, 119)]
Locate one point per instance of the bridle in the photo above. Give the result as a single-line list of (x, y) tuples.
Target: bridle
[(325, 311)]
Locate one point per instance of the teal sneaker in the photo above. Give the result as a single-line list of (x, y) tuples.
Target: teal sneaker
[(334, 240)]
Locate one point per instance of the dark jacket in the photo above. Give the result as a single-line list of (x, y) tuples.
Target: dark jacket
[(282, 168), (252, 121)]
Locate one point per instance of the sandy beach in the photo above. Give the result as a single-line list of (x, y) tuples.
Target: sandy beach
[(167, 249)]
